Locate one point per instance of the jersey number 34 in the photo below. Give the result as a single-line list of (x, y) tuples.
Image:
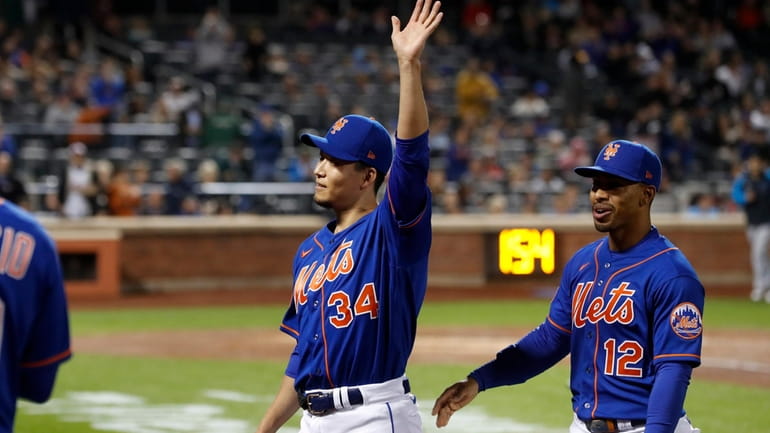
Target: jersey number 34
[(366, 303)]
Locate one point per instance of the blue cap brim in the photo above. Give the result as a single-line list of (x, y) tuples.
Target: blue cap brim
[(323, 144), (593, 170)]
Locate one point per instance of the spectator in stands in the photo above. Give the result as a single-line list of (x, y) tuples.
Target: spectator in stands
[(7, 142), (532, 103), (496, 204), (547, 185), (266, 141), (9, 97), (176, 99), (235, 167), (451, 201), (103, 168), (751, 190), (192, 127), (577, 73), (178, 187), (108, 87), (124, 197), (62, 112), (679, 148), (570, 200), (11, 187), (191, 206), (77, 184), (222, 129), (255, 54), (459, 154), (476, 93), (211, 204), (213, 38), (301, 165), (703, 205), (153, 202)]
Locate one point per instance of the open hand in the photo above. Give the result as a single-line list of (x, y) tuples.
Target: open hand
[(409, 42), (453, 399)]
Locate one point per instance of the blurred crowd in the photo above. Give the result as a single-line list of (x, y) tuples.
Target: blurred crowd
[(520, 92)]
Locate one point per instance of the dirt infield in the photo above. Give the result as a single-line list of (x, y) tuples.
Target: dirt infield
[(728, 356), (734, 356)]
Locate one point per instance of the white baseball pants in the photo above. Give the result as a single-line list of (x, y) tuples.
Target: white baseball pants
[(386, 409), (683, 426)]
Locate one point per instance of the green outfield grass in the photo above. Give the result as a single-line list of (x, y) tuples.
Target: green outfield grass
[(147, 395)]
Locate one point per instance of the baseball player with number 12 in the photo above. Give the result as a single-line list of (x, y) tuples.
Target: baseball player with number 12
[(359, 282), (627, 310)]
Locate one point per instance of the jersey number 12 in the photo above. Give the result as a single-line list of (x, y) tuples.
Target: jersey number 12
[(618, 359)]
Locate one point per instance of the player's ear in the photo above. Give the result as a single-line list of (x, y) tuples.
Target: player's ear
[(648, 193), (370, 175)]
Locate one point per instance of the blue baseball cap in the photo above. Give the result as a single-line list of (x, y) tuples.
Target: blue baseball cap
[(356, 138), (627, 159)]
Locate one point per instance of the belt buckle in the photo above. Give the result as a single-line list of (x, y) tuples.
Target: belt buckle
[(309, 398), (601, 426)]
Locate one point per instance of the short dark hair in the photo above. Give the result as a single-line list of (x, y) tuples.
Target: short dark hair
[(378, 181)]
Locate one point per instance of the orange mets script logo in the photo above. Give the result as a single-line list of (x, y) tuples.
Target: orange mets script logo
[(312, 277), (338, 125), (618, 308), (611, 150)]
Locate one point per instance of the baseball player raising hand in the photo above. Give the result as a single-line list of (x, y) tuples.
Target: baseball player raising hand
[(359, 281), (628, 311)]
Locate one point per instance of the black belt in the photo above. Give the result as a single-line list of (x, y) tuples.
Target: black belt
[(320, 403), (612, 425)]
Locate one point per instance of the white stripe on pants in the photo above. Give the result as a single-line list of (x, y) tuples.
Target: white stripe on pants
[(386, 409)]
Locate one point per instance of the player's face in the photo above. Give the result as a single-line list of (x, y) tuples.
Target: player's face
[(338, 183), (618, 203)]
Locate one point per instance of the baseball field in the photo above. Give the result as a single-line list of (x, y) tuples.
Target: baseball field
[(177, 364)]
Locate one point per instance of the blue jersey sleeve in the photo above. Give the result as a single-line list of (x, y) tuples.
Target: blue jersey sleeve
[(667, 396), (536, 352), (407, 190), (677, 320), (49, 340)]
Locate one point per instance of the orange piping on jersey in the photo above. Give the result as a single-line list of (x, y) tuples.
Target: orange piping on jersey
[(292, 330), (323, 334), (596, 351), (596, 329), (47, 361), (320, 245), (413, 223), (416, 221), (559, 327), (674, 355)]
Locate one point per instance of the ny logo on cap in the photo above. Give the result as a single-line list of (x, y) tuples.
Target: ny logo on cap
[(338, 125), (611, 150)]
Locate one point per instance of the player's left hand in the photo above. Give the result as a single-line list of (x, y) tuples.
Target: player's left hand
[(453, 399), (409, 42)]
